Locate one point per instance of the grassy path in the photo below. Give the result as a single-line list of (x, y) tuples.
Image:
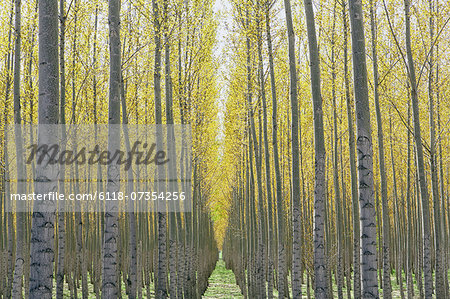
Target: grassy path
[(222, 283)]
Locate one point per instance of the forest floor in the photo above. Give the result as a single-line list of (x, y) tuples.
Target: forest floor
[(222, 285)]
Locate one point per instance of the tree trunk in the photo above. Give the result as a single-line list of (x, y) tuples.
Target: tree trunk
[(43, 220), (9, 232), (427, 267), (161, 287), (20, 215), (397, 221), (295, 193), (409, 234), (174, 219), (384, 193), (62, 97), (131, 282), (110, 289), (269, 237), (353, 175), (281, 270), (320, 260), (337, 197), (132, 241), (439, 262), (259, 279), (445, 224), (365, 152)]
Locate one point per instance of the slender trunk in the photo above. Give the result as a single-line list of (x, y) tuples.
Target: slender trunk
[(409, 234), (132, 241), (62, 103), (174, 220), (365, 152), (320, 260), (443, 230), (346, 215), (110, 289), (161, 287), (260, 281), (337, 196), (99, 185), (281, 270), (439, 262), (419, 230), (183, 238), (9, 216), (397, 218), (43, 219), (7, 220), (295, 193), (31, 136), (353, 175), (420, 161), (131, 285), (20, 215), (270, 243), (384, 193)]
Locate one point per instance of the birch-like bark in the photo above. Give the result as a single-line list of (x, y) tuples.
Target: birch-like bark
[(161, 287), (110, 289), (62, 113), (353, 175), (365, 155), (320, 261), (46, 176), (295, 192)]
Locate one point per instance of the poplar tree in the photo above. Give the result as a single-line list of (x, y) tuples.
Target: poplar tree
[(46, 175), (110, 289), (365, 154)]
